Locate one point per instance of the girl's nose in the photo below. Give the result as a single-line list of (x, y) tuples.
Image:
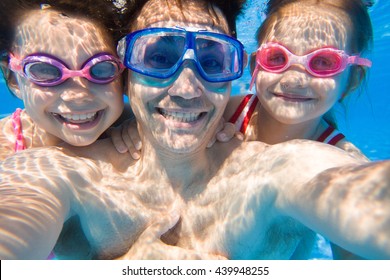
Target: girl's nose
[(76, 89), (294, 78)]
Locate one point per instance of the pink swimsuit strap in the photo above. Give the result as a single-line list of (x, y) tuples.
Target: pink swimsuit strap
[(18, 132)]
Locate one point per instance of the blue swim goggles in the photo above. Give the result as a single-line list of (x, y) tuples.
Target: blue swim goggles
[(159, 53)]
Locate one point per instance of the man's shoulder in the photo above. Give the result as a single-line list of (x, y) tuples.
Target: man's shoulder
[(295, 154), (237, 150)]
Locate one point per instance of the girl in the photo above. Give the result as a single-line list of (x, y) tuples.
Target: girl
[(309, 58), (60, 59), (306, 62)]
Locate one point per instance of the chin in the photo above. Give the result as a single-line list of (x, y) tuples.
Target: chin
[(184, 144)]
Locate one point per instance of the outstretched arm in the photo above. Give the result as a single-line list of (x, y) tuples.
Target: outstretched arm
[(33, 208), (349, 205)]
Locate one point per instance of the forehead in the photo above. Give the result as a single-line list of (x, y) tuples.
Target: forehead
[(190, 14), (306, 27), (51, 32)]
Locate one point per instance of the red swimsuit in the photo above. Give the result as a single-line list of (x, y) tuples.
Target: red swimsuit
[(247, 106)]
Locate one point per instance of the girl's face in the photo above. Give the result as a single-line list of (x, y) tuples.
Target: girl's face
[(178, 114), (77, 111), (294, 96)]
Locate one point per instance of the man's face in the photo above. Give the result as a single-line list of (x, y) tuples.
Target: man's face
[(179, 113)]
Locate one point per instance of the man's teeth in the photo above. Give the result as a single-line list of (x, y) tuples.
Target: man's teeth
[(79, 117), (180, 116)]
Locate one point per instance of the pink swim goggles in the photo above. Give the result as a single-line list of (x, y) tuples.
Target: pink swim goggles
[(324, 62), (47, 71)]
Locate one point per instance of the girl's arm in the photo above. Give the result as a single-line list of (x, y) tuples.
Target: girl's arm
[(32, 214)]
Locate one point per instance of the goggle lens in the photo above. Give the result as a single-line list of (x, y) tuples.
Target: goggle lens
[(42, 72), (273, 59), (325, 62), (216, 56), (157, 53), (104, 71)]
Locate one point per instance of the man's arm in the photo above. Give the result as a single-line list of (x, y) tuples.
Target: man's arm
[(349, 205), (33, 206)]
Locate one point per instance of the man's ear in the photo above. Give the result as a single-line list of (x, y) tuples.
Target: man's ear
[(10, 79)]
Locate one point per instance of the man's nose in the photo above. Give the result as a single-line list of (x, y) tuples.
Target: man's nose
[(188, 84)]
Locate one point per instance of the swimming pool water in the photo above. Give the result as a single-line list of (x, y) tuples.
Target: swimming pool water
[(365, 121)]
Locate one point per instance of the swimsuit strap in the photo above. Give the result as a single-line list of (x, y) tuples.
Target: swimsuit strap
[(243, 114), (331, 136), (18, 132)]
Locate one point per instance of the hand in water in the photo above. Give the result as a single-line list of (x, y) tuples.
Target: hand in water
[(150, 246)]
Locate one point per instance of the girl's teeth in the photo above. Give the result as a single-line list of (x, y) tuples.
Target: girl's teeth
[(78, 117)]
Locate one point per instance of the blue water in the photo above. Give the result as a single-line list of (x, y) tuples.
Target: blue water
[(365, 121)]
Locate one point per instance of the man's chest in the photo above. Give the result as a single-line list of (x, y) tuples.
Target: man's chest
[(237, 223)]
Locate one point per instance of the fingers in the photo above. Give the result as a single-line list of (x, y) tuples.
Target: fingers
[(167, 224), (126, 138), (218, 129), (132, 139), (211, 142), (116, 138), (239, 136), (157, 229), (227, 133)]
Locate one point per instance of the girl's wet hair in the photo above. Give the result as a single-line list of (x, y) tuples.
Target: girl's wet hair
[(108, 13), (362, 32)]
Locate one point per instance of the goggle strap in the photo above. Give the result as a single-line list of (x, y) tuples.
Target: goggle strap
[(359, 61), (14, 64)]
